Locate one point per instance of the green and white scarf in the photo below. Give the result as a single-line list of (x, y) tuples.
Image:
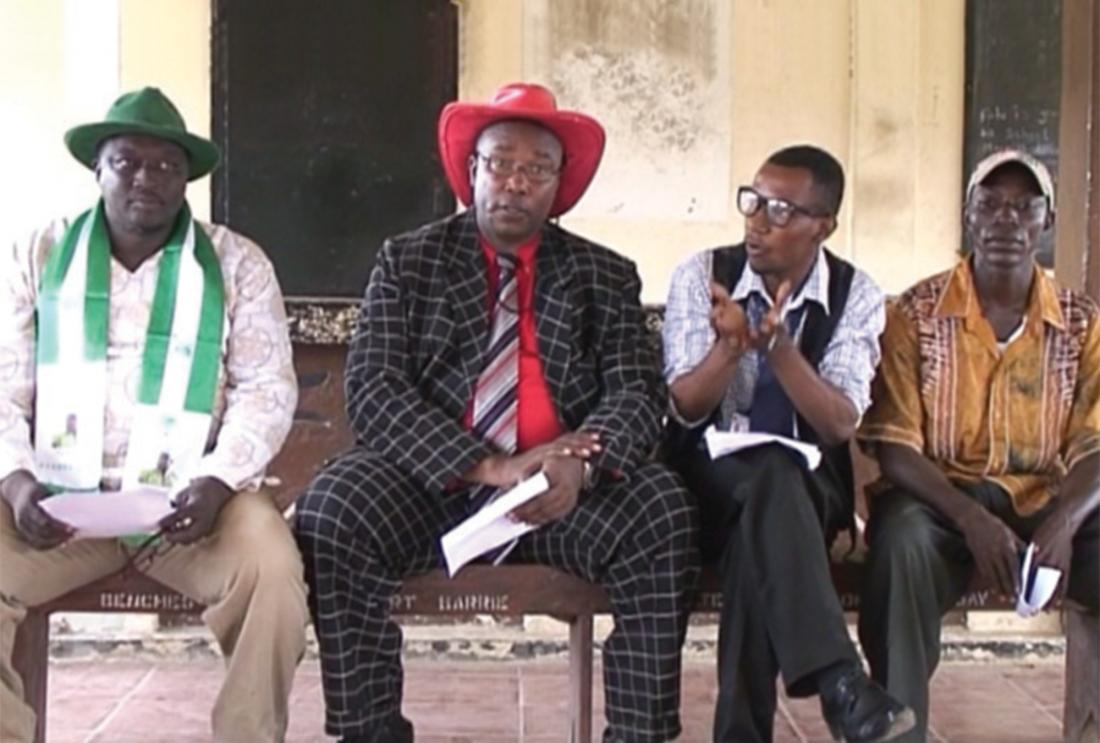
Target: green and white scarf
[(179, 369)]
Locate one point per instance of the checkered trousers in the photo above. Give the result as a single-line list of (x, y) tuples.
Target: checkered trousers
[(363, 525)]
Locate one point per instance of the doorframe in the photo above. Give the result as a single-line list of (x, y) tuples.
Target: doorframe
[(1077, 229)]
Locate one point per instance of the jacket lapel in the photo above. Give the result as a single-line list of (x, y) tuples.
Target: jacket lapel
[(467, 296), (553, 322)]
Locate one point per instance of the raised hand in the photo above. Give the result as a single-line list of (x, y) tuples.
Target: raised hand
[(727, 317), (772, 330)]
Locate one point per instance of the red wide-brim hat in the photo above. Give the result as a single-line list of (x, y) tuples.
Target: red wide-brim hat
[(582, 138)]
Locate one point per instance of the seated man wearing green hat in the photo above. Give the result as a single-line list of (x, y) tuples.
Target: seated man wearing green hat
[(161, 341)]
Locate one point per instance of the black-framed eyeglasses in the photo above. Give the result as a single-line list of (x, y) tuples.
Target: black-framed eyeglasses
[(989, 204), (504, 167), (128, 166), (779, 212)]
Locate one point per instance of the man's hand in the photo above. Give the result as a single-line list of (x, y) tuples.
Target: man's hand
[(505, 471), (39, 529), (197, 508), (727, 317), (772, 330), (1054, 543), (566, 476), (995, 547)]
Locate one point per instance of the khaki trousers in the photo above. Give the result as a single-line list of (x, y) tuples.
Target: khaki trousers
[(248, 574)]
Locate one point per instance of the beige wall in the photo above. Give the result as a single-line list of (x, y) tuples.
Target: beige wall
[(880, 84), (63, 63)]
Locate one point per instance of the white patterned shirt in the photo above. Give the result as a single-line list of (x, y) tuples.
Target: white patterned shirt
[(257, 389), (849, 359)]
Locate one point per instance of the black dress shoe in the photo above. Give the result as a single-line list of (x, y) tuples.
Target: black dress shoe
[(858, 710), (396, 730)]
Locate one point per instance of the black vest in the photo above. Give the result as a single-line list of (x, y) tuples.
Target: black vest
[(817, 330)]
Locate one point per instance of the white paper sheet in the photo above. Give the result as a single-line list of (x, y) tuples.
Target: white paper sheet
[(1036, 585), (97, 515), (720, 443), (490, 527)]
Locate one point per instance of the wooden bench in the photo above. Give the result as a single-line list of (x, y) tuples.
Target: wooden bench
[(510, 590), (516, 590)]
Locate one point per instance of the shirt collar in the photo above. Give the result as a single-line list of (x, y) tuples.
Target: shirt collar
[(815, 288), (960, 298), (525, 253)]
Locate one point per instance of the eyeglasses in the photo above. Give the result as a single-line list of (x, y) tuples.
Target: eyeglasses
[(503, 167), (779, 212), (128, 166), (989, 204), (151, 548)]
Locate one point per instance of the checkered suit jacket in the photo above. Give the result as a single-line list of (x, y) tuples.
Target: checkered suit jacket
[(423, 330)]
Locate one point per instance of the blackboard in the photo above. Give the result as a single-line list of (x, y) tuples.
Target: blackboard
[(1013, 83), (326, 116)]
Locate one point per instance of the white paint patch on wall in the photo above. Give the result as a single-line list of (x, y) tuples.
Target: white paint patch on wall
[(656, 74)]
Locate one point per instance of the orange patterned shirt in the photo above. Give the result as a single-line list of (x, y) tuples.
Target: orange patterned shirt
[(1020, 417)]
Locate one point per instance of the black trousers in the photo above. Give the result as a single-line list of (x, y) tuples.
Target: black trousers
[(764, 518), (363, 525), (919, 566)]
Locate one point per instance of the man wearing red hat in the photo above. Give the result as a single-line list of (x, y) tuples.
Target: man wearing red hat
[(493, 344)]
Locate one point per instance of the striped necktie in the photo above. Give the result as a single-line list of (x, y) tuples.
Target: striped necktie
[(495, 396), (496, 393)]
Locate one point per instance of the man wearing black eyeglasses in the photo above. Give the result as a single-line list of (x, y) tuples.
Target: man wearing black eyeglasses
[(986, 423), (777, 335)]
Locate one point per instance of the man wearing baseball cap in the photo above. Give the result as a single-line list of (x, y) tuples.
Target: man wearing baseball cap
[(493, 344), (986, 423), (143, 350)]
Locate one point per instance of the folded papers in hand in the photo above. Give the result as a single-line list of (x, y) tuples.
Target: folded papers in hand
[(1037, 584), (491, 527), (720, 443), (98, 515)]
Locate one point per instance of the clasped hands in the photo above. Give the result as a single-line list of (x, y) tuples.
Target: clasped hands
[(731, 325), (561, 460)]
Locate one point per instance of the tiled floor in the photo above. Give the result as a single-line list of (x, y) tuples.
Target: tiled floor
[(509, 702)]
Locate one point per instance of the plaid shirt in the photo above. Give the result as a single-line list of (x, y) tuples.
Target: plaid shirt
[(848, 363)]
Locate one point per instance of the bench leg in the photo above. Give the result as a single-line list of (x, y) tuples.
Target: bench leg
[(1081, 715), (580, 679), (30, 658)]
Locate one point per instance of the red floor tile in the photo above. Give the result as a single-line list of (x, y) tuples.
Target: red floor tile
[(510, 702)]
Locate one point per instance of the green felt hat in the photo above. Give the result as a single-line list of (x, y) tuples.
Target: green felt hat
[(147, 111)]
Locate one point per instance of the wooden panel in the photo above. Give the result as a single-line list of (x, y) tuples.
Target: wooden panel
[(1081, 712), (479, 589), (320, 429), (507, 590), (1078, 148)]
